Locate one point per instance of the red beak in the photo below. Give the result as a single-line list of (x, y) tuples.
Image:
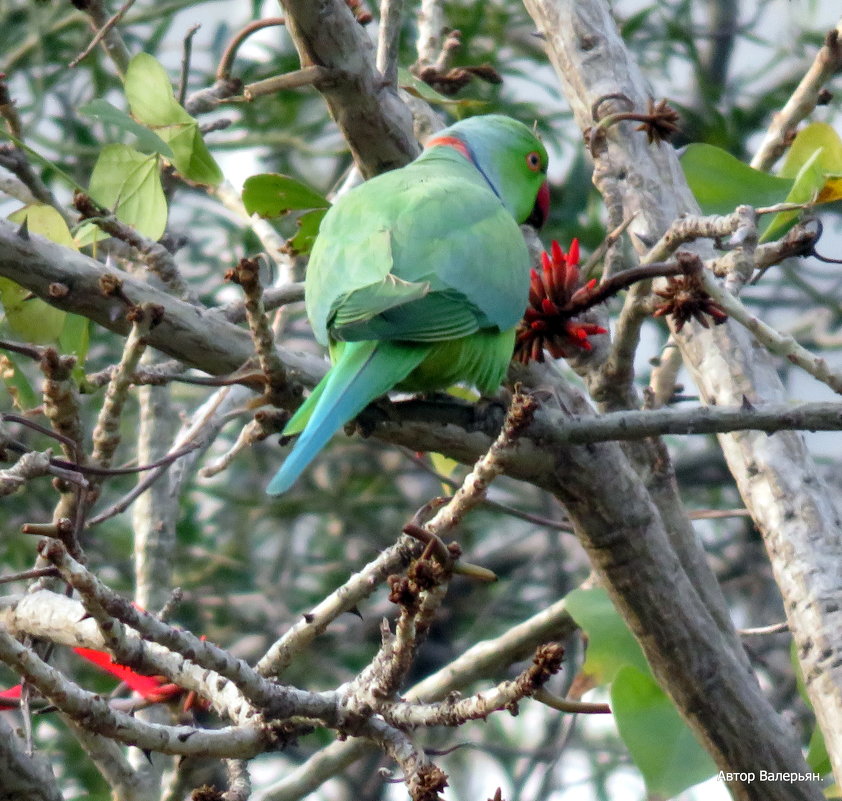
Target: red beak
[(541, 209)]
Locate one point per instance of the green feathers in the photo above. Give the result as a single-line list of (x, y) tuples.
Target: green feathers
[(418, 277)]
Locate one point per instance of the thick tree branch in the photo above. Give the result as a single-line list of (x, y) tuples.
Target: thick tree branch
[(199, 337), (592, 62), (373, 119)]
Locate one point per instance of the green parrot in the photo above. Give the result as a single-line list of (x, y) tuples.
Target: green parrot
[(418, 277)]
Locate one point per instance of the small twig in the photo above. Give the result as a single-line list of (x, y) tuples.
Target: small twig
[(568, 705), (774, 628), (265, 423), (92, 470), (71, 446), (316, 76), (716, 514), (239, 782), (801, 103), (34, 465), (607, 243), (24, 349), (102, 32), (61, 402), (529, 517), (659, 122), (388, 40), (226, 62), (777, 343), (106, 435), (273, 298), (185, 62), (455, 711), (487, 468), (13, 158), (38, 572), (192, 438), (281, 391), (360, 586)]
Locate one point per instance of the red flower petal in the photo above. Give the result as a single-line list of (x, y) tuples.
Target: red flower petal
[(147, 686), (9, 698)]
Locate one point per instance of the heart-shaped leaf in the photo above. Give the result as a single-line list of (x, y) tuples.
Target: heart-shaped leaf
[(272, 195)]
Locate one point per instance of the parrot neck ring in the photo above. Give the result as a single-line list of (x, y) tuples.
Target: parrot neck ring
[(451, 141), (464, 150)]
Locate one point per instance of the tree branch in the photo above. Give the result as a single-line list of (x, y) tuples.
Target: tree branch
[(373, 119)]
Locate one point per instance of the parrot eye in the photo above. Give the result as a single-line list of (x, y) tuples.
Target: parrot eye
[(533, 161)]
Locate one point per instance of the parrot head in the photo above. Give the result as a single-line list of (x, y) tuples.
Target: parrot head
[(509, 156)]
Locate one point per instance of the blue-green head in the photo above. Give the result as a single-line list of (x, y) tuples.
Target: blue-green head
[(509, 156)]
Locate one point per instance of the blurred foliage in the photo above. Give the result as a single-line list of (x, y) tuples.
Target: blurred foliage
[(250, 566)]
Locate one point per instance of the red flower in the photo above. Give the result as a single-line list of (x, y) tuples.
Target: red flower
[(555, 295), (152, 688)]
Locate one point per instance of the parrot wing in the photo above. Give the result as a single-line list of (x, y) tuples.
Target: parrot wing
[(431, 225)]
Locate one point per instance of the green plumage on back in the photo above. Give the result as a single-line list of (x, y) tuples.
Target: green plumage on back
[(419, 276)]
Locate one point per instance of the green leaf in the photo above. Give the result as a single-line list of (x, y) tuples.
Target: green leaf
[(17, 384), (308, 227), (817, 756), (444, 466), (611, 645), (147, 140), (30, 317), (272, 195), (805, 189), (45, 221), (191, 156), (152, 102), (75, 337), (817, 136), (660, 742), (722, 182), (150, 95), (129, 183)]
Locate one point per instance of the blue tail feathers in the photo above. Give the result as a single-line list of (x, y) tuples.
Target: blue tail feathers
[(365, 371)]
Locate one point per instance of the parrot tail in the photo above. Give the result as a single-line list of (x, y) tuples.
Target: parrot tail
[(365, 371)]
